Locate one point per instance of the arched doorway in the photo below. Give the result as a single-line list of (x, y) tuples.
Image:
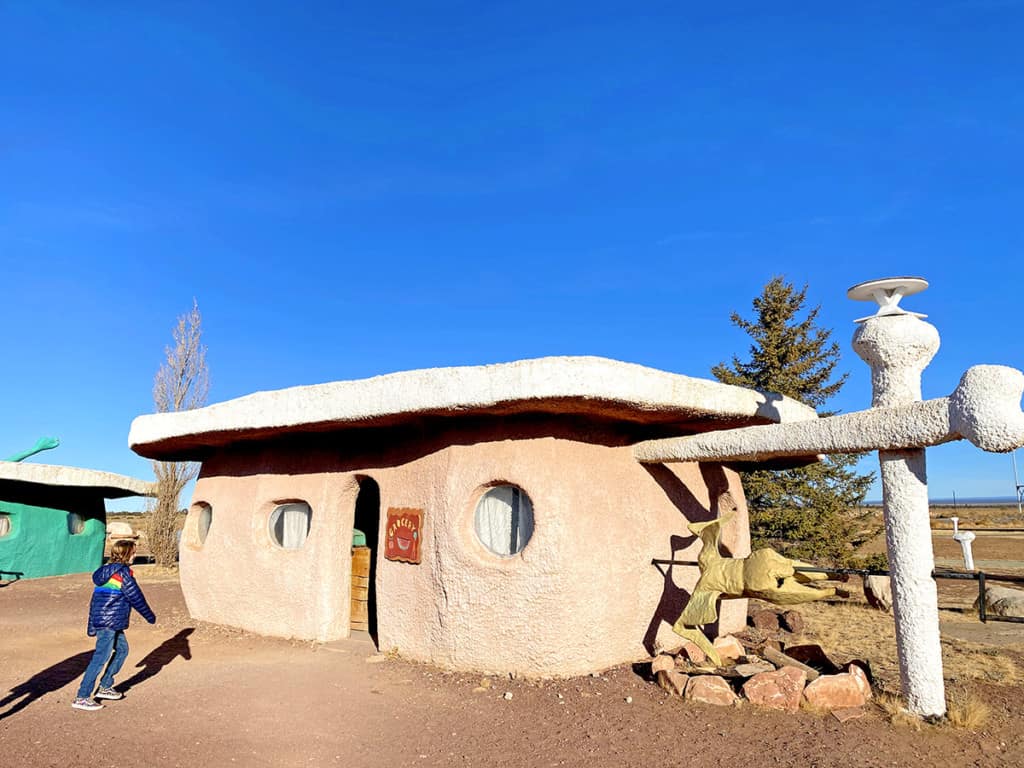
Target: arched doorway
[(365, 542)]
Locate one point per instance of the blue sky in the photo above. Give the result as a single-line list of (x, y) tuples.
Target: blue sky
[(353, 189)]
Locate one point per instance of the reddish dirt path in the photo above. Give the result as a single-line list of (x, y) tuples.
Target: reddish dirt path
[(250, 701)]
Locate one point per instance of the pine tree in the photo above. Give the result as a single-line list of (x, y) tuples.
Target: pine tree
[(807, 511)]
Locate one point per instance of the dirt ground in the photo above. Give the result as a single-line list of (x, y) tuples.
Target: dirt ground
[(201, 695)]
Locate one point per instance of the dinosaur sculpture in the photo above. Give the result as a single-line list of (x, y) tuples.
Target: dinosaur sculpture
[(764, 574), (42, 444)]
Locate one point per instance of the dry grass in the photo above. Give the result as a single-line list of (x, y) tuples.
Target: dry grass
[(965, 710), (154, 573), (892, 705), (853, 630)]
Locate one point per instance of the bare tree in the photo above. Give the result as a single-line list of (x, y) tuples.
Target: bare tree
[(181, 383)]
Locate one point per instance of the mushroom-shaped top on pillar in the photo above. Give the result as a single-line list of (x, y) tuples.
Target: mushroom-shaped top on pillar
[(896, 344), (887, 292)]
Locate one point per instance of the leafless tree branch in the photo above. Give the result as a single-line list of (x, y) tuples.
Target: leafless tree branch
[(181, 384)]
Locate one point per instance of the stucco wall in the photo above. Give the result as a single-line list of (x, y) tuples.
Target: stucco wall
[(583, 595), (40, 544), (241, 578)]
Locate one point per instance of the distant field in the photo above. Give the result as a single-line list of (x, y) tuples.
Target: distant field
[(993, 550), (971, 516), (1003, 516), (138, 521)]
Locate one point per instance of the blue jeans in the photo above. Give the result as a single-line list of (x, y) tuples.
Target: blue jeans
[(107, 640)]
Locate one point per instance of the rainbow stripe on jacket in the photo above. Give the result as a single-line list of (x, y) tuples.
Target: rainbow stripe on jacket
[(114, 583)]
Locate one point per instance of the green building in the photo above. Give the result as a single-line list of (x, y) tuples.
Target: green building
[(53, 518)]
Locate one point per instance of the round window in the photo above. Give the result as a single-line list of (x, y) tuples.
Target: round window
[(76, 523), (504, 520), (5, 524), (289, 524), (204, 516)]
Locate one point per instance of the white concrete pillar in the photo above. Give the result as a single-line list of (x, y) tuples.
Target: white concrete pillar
[(898, 347)]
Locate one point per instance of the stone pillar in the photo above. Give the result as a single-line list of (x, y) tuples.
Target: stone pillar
[(898, 347)]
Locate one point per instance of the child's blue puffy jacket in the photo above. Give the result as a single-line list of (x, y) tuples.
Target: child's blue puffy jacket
[(115, 595)]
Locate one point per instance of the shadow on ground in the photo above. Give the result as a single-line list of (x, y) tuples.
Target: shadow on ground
[(55, 677), (159, 658), (50, 679)]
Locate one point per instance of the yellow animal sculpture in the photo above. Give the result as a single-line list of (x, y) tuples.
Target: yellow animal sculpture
[(764, 574)]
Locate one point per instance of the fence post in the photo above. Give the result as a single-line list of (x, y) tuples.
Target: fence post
[(981, 597)]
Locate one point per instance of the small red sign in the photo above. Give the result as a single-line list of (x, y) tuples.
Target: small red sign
[(403, 535)]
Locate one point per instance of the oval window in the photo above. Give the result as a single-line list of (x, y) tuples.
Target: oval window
[(204, 517), (289, 524), (76, 523), (504, 520), (5, 524)]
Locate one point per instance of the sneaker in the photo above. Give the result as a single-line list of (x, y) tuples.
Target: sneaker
[(88, 704), (109, 693)]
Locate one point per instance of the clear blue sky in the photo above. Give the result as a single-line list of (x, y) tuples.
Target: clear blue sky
[(353, 189)]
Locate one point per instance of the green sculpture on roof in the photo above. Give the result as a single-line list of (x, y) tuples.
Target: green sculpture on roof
[(42, 444)]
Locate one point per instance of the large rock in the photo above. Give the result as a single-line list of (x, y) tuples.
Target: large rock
[(729, 647), (672, 681), (878, 591), (710, 689), (780, 689), (765, 620), (1003, 601), (838, 691), (693, 652), (780, 659), (793, 621), (861, 678), (753, 666), (662, 663)]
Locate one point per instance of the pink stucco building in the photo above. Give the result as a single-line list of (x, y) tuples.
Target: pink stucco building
[(512, 489)]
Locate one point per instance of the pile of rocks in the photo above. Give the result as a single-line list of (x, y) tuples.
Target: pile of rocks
[(766, 673)]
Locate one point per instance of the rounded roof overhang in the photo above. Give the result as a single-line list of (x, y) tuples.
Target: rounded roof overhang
[(593, 386), (106, 484)]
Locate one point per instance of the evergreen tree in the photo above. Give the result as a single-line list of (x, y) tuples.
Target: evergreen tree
[(807, 511)]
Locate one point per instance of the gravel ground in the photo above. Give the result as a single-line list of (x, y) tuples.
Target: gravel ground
[(201, 695)]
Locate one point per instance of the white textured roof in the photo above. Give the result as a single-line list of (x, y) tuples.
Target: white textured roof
[(107, 484), (579, 385)]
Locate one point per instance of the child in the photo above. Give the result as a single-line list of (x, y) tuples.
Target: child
[(115, 595)]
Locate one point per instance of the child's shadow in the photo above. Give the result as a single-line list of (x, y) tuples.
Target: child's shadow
[(159, 658), (50, 679)]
